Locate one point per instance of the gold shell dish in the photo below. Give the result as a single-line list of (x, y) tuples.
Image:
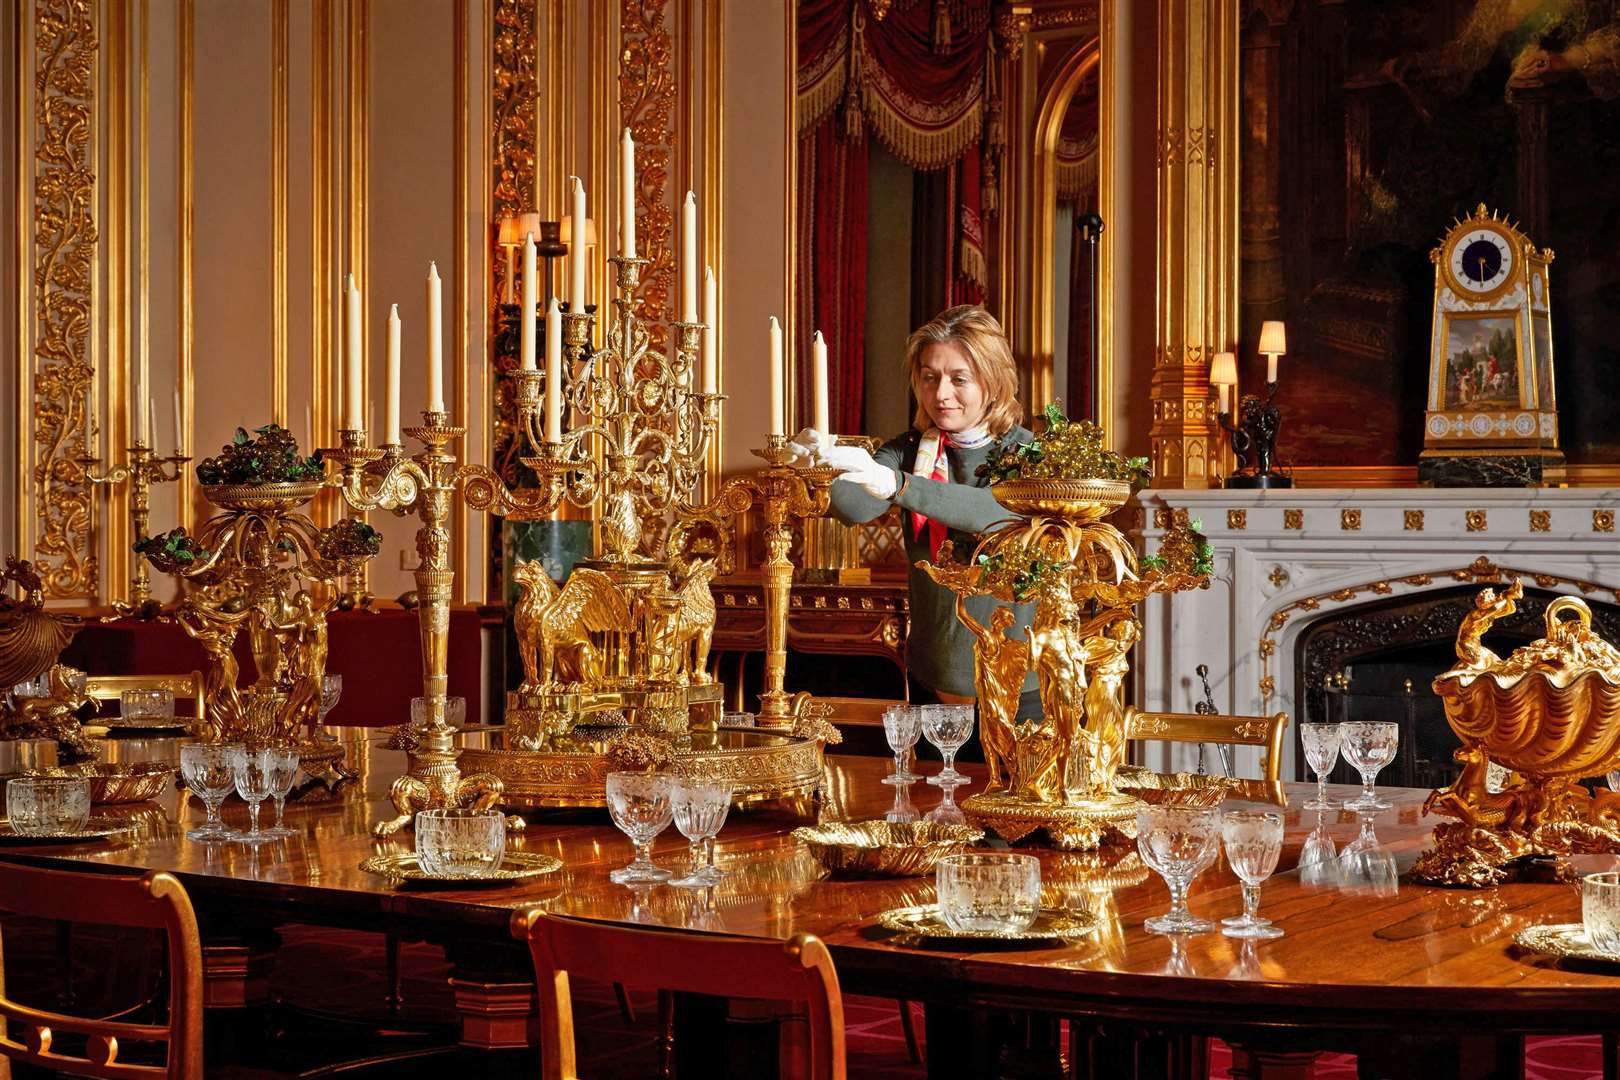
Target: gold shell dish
[(515, 866), (125, 782), (1180, 789), (885, 848), (1079, 500), (273, 497), (1567, 941), (94, 829), (1051, 926)]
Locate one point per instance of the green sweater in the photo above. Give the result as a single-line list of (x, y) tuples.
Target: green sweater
[(939, 650)]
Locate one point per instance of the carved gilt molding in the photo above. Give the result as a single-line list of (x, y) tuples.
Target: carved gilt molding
[(63, 138), (648, 104)]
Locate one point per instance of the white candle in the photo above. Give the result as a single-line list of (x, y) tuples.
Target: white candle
[(151, 421), (627, 196), (1225, 393), (577, 248), (531, 298), (778, 381), (435, 344), (511, 264), (711, 308), (818, 383), (352, 415), (689, 278), (553, 372), (177, 421), (391, 405), (136, 393), (1271, 367)]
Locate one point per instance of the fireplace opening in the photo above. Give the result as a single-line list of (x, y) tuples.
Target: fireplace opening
[(1377, 661)]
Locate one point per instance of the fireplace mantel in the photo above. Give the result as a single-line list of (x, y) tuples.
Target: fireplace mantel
[(1284, 557)]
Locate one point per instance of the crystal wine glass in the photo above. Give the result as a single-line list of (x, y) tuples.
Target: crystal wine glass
[(283, 770), (947, 812), (250, 770), (1177, 842), (699, 808), (903, 809), (1321, 743), (455, 711), (1253, 841), (642, 806), (207, 771), (901, 726), (1364, 865), (1369, 745), (1318, 856), (947, 727)]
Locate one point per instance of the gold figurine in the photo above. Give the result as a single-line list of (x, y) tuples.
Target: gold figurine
[(1057, 774), (1549, 713)]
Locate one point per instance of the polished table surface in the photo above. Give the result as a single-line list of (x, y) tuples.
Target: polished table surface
[(1353, 958)]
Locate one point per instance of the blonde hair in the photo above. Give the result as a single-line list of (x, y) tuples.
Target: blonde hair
[(979, 335)]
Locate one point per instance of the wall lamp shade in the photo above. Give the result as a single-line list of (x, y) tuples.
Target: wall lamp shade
[(1223, 371), (568, 231), (511, 231), (1273, 339)]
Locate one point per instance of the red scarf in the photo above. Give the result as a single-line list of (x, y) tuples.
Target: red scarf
[(933, 463)]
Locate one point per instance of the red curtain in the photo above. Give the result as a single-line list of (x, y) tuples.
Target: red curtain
[(832, 270), (913, 74)]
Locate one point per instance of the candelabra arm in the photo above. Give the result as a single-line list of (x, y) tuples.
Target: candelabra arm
[(485, 490), (397, 489)]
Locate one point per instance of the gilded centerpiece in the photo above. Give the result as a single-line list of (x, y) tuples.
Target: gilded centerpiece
[(1550, 714), (1057, 774)]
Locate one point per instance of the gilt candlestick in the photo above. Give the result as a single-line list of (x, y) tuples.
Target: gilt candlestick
[(142, 468)]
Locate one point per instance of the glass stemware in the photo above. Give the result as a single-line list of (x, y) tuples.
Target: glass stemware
[(1253, 840), (455, 711), (947, 812), (1318, 856), (1368, 746), (331, 691), (1178, 842), (947, 727), (903, 809), (250, 771), (1364, 865), (283, 770), (1321, 743), (642, 806), (902, 724), (207, 771), (699, 808)]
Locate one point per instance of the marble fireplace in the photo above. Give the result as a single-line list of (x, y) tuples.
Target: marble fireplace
[(1394, 560)]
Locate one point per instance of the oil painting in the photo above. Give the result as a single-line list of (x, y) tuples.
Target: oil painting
[(1482, 363), (1369, 127)]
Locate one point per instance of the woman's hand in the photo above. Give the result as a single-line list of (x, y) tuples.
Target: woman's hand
[(857, 466), (809, 446)]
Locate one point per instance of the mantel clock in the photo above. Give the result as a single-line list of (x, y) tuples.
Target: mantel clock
[(1492, 418)]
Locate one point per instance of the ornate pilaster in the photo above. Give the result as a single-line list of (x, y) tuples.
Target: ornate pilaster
[(1198, 237), (648, 100), (57, 78)]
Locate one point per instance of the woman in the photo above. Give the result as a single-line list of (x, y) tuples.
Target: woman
[(966, 386)]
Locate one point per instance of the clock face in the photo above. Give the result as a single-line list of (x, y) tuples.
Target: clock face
[(1481, 260)]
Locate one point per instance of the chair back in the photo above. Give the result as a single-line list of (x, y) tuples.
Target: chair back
[(154, 901), (189, 686), (1265, 732), (799, 969)]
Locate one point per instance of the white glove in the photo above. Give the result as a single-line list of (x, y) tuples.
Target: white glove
[(808, 446), (856, 466)]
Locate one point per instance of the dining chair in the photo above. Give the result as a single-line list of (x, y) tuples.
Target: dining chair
[(189, 686), (795, 970), (1265, 732), (153, 901)]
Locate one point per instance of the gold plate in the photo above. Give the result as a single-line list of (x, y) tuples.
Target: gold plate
[(94, 829), (515, 866), (1052, 926), (1564, 940), (885, 848)]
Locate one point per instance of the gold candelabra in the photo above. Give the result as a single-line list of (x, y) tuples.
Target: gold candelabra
[(784, 492), (387, 479), (142, 468)]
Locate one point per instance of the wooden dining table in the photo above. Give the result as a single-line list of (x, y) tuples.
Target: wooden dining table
[(1420, 980)]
